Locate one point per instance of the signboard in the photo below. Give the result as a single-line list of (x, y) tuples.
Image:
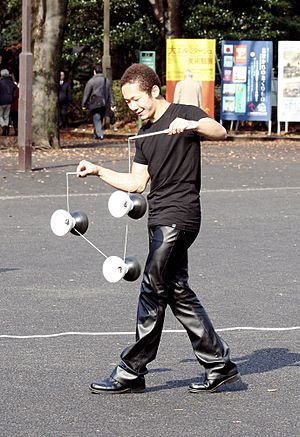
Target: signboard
[(148, 58), (288, 107), (198, 56), (246, 92)]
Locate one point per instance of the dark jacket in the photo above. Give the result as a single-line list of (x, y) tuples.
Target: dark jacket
[(65, 93), (7, 91), (15, 104), (98, 93)]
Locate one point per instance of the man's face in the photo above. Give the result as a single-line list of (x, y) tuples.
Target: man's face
[(139, 101), (62, 75)]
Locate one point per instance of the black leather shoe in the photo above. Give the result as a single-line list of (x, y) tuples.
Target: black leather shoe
[(211, 385), (112, 386)]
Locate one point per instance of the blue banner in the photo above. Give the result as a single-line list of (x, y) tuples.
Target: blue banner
[(246, 87)]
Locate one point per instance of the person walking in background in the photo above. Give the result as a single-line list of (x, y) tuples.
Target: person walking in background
[(64, 99), (14, 110), (7, 96), (172, 163), (188, 91), (97, 97)]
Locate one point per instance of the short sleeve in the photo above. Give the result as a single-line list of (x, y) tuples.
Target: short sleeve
[(139, 157), (194, 113)]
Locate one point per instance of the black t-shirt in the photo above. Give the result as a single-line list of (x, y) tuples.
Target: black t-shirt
[(174, 166)]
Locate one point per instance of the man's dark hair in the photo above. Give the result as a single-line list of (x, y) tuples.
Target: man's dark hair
[(98, 69), (143, 75)]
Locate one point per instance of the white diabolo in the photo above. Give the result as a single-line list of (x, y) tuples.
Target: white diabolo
[(121, 203), (62, 222), (115, 268)]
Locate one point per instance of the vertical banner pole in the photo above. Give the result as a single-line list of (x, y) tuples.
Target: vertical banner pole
[(270, 127)]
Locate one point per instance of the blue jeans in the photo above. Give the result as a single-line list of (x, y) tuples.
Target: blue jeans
[(4, 115), (98, 116)]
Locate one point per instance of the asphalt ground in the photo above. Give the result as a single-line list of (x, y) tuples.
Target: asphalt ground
[(63, 325)]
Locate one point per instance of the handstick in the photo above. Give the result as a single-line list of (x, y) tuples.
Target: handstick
[(67, 174), (165, 131)]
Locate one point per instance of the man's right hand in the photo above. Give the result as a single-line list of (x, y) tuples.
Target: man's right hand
[(181, 124), (86, 168)]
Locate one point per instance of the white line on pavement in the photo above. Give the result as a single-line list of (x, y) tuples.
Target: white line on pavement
[(166, 331), (220, 190)]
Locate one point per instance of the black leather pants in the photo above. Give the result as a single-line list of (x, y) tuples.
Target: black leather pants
[(165, 282)]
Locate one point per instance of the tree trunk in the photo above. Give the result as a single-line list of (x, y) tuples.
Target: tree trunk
[(167, 13), (48, 25), (174, 22)]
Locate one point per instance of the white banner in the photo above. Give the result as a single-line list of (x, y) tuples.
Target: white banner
[(288, 102)]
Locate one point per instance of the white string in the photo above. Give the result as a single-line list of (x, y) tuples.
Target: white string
[(67, 174), (68, 206), (88, 241), (68, 209), (125, 242), (129, 151), (128, 192)]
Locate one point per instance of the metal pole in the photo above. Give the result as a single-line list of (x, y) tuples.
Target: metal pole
[(270, 127), (25, 98), (106, 61)]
